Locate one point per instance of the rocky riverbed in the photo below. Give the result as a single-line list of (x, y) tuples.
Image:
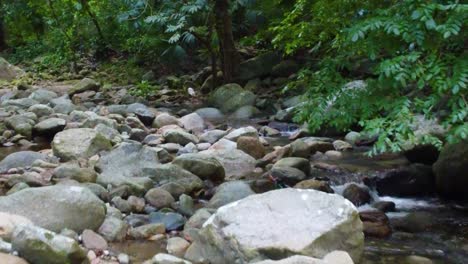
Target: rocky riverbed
[(93, 176)]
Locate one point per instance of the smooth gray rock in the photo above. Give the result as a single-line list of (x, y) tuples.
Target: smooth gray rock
[(22, 159), (57, 207), (229, 192), (127, 165), (261, 226), (76, 143), (202, 165), (38, 245), (49, 127)]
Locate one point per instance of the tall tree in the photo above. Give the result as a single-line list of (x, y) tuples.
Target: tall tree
[(230, 58), (3, 44)]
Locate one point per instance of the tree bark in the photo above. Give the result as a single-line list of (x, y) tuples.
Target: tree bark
[(3, 45), (230, 58), (94, 19)]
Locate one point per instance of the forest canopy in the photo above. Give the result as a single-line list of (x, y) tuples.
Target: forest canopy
[(377, 66)]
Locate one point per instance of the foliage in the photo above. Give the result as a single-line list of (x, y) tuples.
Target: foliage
[(415, 62), (143, 89)]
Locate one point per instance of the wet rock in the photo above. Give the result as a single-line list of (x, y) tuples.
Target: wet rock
[(298, 163), (172, 221), (269, 131), (425, 154), (415, 222), (376, 224), (417, 260), (317, 185), (78, 143), (251, 146), (164, 119), (230, 97), (177, 246), (333, 154), (50, 127), (147, 231), (128, 164), (335, 257), (74, 172), (262, 232), (229, 192), (84, 85), (38, 245), (203, 165), (180, 137), (414, 180), (113, 229), (384, 206), (159, 198), (8, 222), (451, 171), (92, 240), (21, 159), (357, 195), (70, 207), (287, 175)]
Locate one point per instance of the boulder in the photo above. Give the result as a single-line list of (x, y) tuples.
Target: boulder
[(203, 165), (78, 143), (259, 66), (210, 114), (9, 72), (177, 246), (57, 207), (212, 136), (172, 221), (251, 146), (164, 119), (357, 195), (260, 226), (451, 169), (128, 164), (8, 223), (21, 124), (39, 245), (74, 172), (22, 159), (84, 85), (159, 198), (43, 96), (237, 164), (287, 175), (230, 97), (113, 229), (164, 174), (193, 122), (229, 192), (317, 185), (414, 180), (162, 258)]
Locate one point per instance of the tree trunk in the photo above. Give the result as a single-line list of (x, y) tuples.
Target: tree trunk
[(3, 45), (94, 19), (230, 57)]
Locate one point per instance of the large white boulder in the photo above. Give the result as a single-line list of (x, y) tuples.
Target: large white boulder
[(279, 224)]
